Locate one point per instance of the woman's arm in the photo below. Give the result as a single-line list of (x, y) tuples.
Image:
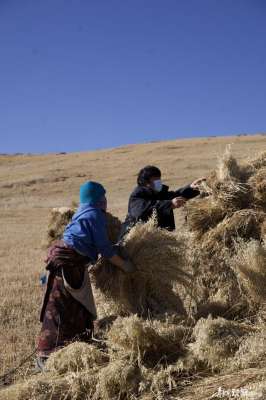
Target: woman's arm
[(105, 247)]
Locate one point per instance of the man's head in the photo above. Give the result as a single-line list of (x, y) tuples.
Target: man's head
[(150, 176), (93, 193)]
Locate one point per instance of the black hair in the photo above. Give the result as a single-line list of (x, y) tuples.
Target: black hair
[(146, 173)]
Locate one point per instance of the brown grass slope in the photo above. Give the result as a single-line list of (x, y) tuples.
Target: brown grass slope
[(225, 282)]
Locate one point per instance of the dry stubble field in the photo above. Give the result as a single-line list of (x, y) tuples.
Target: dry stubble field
[(32, 184)]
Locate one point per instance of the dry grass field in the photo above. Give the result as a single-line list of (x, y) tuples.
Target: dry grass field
[(32, 184)]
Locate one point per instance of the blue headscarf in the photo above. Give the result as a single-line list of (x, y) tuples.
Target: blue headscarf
[(91, 193)]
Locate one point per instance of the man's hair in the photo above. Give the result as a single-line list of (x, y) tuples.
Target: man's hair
[(146, 173)]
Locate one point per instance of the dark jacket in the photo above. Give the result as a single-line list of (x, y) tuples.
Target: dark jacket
[(143, 201)]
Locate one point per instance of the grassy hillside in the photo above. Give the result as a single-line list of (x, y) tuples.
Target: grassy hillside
[(32, 184)]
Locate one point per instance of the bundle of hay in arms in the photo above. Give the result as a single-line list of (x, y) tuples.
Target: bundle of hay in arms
[(160, 259)]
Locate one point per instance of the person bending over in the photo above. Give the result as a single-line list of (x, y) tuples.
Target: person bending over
[(68, 309)]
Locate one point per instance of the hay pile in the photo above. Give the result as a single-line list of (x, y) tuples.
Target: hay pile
[(232, 212), (217, 340), (249, 264), (257, 181), (118, 380), (252, 350), (192, 317), (147, 341), (60, 217), (76, 357)]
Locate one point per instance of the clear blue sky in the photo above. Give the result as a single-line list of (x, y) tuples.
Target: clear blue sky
[(86, 74)]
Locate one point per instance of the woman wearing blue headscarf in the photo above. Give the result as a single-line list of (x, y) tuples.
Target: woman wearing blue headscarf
[(68, 309)]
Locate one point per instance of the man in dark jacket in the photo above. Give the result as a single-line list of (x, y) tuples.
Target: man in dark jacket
[(151, 195)]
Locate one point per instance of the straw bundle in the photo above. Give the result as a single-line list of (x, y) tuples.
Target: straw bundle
[(119, 380), (249, 264), (49, 386), (243, 224), (252, 351), (159, 256), (60, 217), (228, 184), (148, 341), (258, 183), (217, 340), (167, 381), (203, 215), (232, 195), (163, 382), (228, 168), (76, 357), (259, 161), (214, 288), (263, 230), (45, 387), (227, 303)]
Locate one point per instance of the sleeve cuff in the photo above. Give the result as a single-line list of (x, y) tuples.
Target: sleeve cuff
[(108, 252)]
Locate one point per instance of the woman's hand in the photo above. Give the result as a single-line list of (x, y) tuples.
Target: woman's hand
[(178, 202), (195, 184), (125, 265)]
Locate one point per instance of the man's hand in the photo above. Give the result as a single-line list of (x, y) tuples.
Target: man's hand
[(197, 182), (178, 202)]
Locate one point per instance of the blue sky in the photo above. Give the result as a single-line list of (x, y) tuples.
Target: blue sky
[(78, 75)]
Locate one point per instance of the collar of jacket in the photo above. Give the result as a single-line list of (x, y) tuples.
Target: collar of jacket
[(149, 192), (88, 206)]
